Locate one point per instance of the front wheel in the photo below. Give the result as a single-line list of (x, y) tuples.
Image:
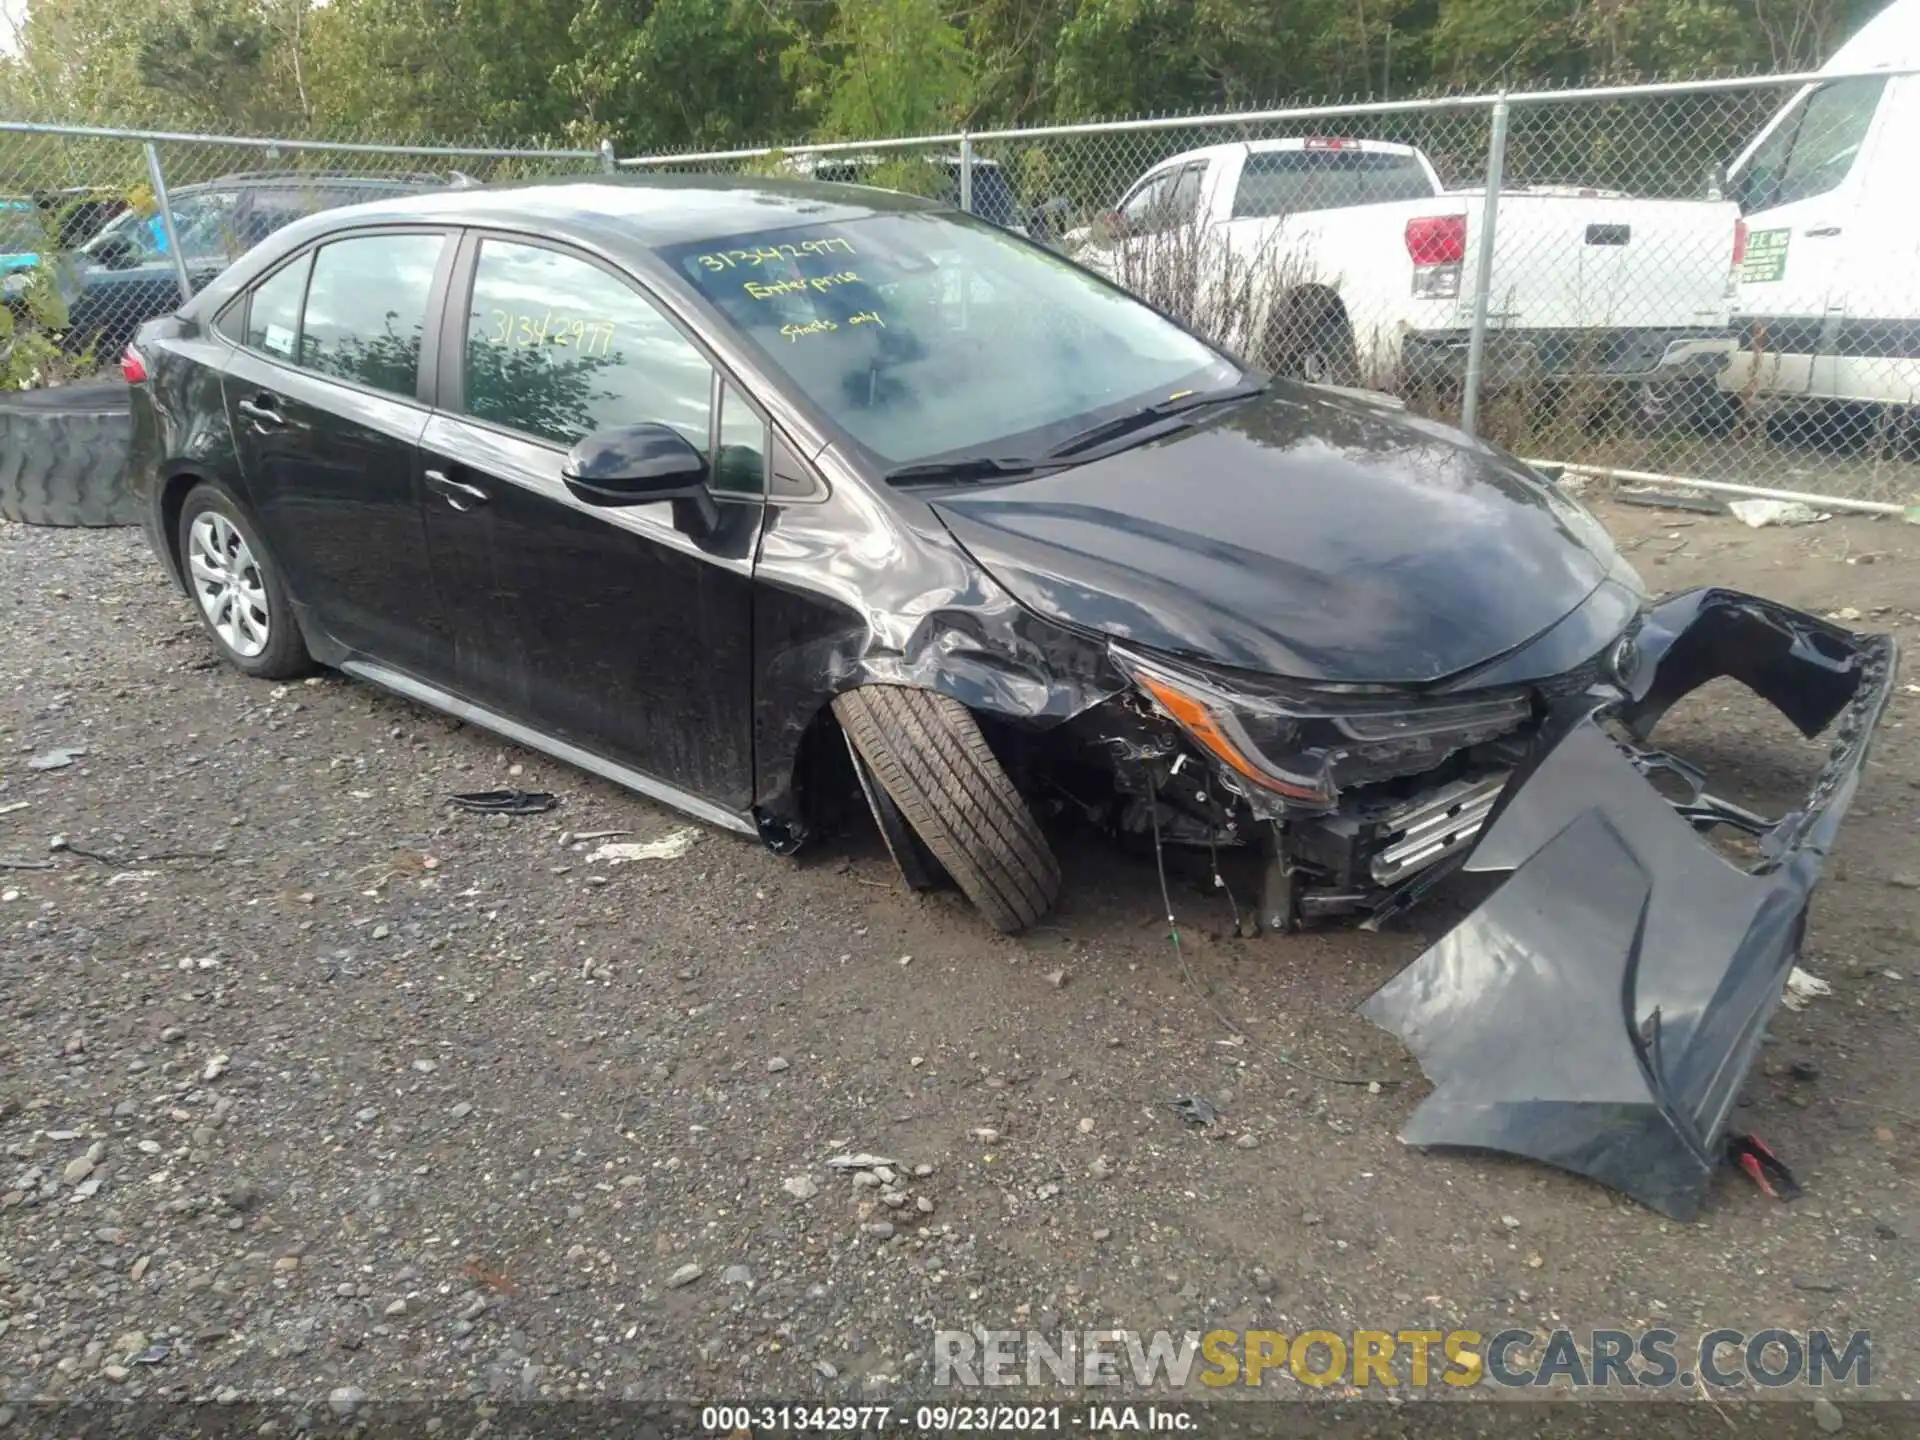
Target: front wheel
[(238, 593), (928, 754)]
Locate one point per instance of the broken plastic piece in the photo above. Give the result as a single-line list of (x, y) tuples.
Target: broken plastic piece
[(668, 847), (1194, 1110), (1600, 1011), (504, 802), (1802, 987), (1760, 1165), (1761, 513)]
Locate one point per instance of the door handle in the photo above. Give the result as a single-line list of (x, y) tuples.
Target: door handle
[(1821, 232), (460, 496), (262, 412)]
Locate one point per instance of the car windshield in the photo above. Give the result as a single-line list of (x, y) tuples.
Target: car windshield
[(930, 335)]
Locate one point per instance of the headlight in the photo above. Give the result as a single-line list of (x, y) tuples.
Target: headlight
[(1306, 745)]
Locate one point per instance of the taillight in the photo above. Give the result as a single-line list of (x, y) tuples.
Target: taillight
[(1739, 243), (133, 366), (1437, 239)]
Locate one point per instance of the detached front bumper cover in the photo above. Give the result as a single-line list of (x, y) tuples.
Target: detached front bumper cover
[(1600, 1011)]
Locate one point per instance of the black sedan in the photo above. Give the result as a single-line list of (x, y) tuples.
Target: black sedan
[(758, 496)]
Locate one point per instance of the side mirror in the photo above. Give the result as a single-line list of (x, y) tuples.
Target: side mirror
[(642, 465), (1110, 225)]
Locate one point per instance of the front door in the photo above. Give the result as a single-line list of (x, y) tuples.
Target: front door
[(616, 630), (323, 401)]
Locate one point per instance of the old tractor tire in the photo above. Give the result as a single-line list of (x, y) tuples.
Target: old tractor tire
[(929, 756), (63, 455)]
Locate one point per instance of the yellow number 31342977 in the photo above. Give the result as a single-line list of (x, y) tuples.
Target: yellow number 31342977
[(527, 332)]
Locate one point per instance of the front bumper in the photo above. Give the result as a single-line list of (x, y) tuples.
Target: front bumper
[(1622, 356), (1601, 1010)]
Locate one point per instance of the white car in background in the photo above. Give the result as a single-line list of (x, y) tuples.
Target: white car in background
[(1349, 262), (1827, 305)]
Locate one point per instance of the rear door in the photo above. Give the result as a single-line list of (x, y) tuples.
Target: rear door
[(324, 401), (1798, 190)]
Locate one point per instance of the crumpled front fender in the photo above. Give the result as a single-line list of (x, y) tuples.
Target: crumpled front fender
[(1600, 1011)]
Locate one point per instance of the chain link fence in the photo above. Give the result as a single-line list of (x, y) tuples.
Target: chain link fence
[(101, 230), (1715, 280)]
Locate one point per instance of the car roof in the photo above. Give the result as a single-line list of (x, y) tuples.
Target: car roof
[(316, 179), (1333, 145), (650, 212)]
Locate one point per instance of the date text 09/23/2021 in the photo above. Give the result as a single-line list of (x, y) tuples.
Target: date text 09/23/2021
[(745, 1420)]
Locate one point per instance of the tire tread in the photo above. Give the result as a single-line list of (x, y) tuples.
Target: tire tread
[(929, 755)]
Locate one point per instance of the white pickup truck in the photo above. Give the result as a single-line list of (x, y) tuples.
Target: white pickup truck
[(1348, 262)]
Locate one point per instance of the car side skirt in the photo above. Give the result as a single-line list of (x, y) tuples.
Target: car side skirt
[(433, 696)]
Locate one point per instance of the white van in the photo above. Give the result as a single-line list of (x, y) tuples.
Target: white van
[(1827, 298)]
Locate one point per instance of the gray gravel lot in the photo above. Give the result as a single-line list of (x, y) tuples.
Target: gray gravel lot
[(313, 1084)]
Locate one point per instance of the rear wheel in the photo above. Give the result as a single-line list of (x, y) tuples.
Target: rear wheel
[(239, 594), (929, 756), (1309, 339)]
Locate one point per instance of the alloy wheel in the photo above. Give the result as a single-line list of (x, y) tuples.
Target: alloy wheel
[(228, 584)]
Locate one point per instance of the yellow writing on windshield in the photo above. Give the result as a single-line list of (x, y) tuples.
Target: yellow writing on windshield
[(796, 333), (769, 290), (773, 254)]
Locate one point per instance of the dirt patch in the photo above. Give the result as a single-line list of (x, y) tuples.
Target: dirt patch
[(383, 1096)]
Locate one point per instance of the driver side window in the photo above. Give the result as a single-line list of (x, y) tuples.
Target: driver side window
[(558, 348), (1813, 151), (1143, 210)]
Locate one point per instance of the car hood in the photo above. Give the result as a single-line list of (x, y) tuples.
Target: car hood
[(1302, 534)]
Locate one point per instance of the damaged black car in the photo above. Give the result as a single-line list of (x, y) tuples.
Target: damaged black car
[(766, 498)]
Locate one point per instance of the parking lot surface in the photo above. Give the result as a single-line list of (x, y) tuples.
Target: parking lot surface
[(316, 1085)]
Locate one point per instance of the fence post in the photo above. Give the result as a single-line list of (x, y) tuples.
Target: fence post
[(159, 180), (607, 159), (966, 171), (1483, 268)]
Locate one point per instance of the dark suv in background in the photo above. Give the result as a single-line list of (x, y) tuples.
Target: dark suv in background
[(124, 275)]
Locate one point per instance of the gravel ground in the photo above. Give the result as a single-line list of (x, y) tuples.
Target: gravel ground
[(314, 1085)]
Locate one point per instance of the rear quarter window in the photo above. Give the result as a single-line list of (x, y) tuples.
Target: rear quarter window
[(1285, 182)]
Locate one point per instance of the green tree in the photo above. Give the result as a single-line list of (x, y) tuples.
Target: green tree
[(885, 67), (671, 74)]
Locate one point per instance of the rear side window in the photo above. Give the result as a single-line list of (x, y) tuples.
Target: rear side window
[(559, 348), (366, 311), (1285, 182), (273, 314)]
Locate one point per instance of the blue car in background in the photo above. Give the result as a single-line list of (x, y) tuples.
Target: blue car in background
[(65, 217), (125, 274)]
